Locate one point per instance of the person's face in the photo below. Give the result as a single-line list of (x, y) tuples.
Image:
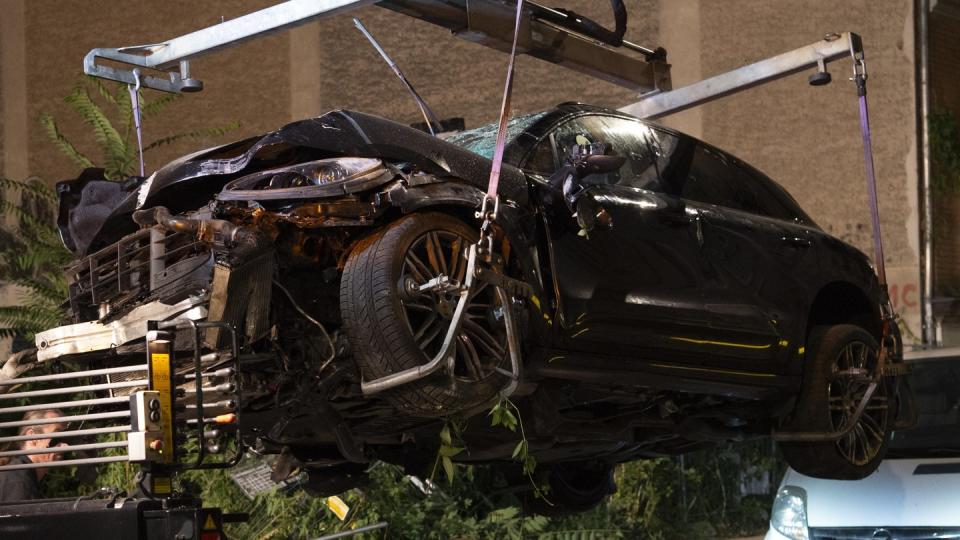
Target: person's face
[(43, 443)]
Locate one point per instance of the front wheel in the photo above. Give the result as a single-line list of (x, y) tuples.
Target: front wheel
[(393, 326), (840, 359)]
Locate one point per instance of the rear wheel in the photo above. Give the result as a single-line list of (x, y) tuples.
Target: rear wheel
[(392, 326), (835, 381)]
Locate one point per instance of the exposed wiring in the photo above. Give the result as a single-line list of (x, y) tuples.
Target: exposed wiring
[(333, 349)]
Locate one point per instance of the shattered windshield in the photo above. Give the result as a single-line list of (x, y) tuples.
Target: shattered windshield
[(482, 140)]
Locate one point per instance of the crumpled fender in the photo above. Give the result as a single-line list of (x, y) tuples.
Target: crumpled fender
[(193, 180)]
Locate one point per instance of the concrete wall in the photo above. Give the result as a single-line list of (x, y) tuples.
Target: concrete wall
[(806, 138)]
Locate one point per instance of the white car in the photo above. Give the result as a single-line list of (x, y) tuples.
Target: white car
[(913, 495)]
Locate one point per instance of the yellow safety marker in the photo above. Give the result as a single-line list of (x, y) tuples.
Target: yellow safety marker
[(162, 485), (338, 507), (161, 382)]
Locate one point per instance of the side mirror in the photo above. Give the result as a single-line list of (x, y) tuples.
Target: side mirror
[(590, 159), (601, 164)]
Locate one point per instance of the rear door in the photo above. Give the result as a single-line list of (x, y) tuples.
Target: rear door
[(754, 250)]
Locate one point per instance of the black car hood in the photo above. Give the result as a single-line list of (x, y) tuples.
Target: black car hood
[(94, 214)]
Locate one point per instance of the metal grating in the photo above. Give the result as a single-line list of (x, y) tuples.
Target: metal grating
[(108, 282), (91, 425)]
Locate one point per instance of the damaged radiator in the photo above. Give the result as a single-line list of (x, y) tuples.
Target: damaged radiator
[(240, 296)]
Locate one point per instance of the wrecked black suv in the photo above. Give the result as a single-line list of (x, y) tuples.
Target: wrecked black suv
[(642, 294)]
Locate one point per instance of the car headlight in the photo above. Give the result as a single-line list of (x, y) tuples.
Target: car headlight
[(789, 514), (321, 178)]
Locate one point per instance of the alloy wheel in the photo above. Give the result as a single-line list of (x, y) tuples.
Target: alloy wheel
[(855, 364), (481, 343)]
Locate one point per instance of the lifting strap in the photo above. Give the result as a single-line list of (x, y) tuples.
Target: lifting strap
[(134, 90), (488, 210), (860, 78)]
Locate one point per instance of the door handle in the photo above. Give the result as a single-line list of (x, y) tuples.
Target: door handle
[(796, 241)]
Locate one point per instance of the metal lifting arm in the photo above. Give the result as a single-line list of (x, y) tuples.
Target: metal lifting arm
[(833, 47), (547, 34)]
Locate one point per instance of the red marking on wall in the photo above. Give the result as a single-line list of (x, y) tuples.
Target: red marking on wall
[(904, 295)]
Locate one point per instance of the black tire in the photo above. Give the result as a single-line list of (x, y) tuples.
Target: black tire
[(574, 487), (390, 331), (826, 399)]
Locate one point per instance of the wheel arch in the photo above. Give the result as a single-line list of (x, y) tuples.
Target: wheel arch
[(841, 302)]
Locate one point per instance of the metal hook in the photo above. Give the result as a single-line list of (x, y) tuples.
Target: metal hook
[(135, 105)]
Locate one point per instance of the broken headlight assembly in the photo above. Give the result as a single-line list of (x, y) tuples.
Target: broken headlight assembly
[(321, 178)]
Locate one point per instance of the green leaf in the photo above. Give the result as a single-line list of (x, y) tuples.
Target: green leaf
[(529, 464), (520, 451), (504, 514), (32, 185), (448, 468), (115, 148), (501, 415), (61, 142), (102, 89), (450, 451), (509, 420), (151, 108), (445, 435)]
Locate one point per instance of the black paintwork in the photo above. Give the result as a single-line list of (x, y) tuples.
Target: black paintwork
[(684, 286)]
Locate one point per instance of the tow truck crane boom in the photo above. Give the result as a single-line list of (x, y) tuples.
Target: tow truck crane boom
[(545, 33)]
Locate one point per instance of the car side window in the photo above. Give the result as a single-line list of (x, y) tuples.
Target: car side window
[(626, 138), (543, 158), (709, 181), (716, 178)]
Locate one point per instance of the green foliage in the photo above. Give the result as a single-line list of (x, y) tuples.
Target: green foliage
[(506, 414), (91, 100), (944, 151), (32, 258), (448, 449)]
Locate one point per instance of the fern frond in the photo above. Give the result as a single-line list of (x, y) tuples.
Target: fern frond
[(8, 208), (34, 261), (61, 142), (150, 108), (10, 333), (113, 146), (28, 319), (40, 292), (32, 185), (125, 110), (192, 135), (102, 89)]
